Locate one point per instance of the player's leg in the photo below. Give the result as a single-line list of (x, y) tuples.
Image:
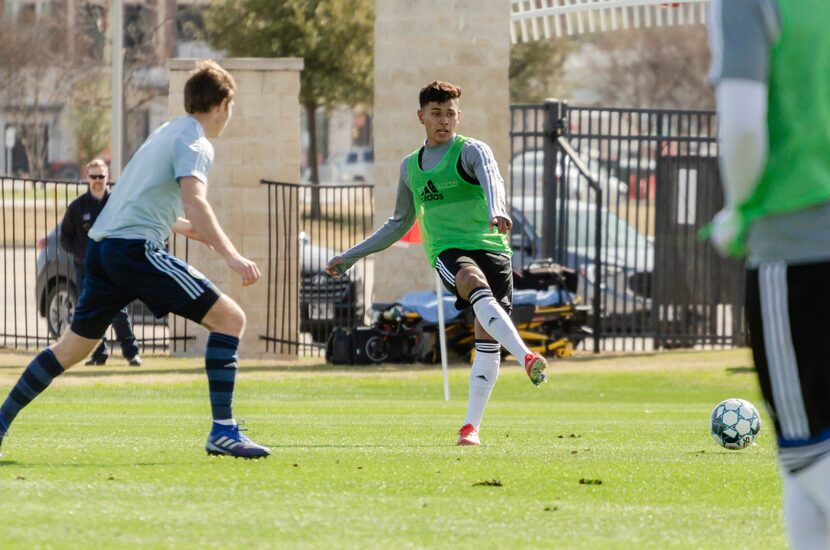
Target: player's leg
[(92, 316), (226, 322), (45, 367), (470, 273), (787, 311), (483, 375), (171, 285), (807, 522), (99, 356)]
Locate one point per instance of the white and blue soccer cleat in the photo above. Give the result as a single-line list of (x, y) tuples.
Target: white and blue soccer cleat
[(228, 440)]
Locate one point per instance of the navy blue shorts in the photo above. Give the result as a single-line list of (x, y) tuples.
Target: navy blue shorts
[(119, 271)]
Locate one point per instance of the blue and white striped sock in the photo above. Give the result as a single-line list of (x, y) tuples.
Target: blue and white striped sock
[(37, 376), (220, 366), (497, 322), (482, 379)]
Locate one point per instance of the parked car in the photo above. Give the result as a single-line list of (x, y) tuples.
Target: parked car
[(63, 171), (527, 170), (353, 165), (627, 255), (327, 302), (324, 302), (56, 289)]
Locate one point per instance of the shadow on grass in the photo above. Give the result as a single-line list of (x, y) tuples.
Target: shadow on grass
[(354, 446), (53, 465), (102, 372), (740, 370), (612, 356)]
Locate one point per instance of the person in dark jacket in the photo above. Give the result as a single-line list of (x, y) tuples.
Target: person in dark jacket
[(79, 217)]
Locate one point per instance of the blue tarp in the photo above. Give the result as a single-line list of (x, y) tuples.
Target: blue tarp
[(425, 303)]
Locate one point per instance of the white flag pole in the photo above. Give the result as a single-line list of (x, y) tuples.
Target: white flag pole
[(116, 28), (442, 335)]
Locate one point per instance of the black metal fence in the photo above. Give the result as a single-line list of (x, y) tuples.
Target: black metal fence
[(308, 225), (38, 291), (658, 184)]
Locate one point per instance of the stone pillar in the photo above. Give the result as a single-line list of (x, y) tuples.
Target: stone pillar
[(262, 140), (466, 42), (166, 14)]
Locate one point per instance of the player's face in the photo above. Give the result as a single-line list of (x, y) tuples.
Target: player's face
[(97, 179), (221, 115), (227, 113), (440, 120)]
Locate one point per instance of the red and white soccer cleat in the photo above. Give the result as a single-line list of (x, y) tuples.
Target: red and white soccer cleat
[(535, 366), (468, 435)]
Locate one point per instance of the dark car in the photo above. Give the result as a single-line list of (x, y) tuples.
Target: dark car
[(627, 255), (55, 286), (57, 291), (327, 302)]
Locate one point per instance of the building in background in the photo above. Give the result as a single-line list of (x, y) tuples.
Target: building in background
[(74, 124), (154, 31)]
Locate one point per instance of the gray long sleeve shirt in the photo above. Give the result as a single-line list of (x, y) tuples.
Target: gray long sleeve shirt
[(476, 159), (742, 36)]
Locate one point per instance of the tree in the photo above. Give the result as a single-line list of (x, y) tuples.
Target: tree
[(536, 70), (652, 68), (91, 118), (145, 79), (334, 37), (36, 75)]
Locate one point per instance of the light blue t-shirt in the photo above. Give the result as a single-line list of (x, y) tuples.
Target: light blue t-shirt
[(147, 200)]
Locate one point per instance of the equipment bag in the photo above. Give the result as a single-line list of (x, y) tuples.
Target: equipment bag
[(340, 347)]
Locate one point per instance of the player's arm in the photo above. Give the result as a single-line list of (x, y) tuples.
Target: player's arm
[(205, 227), (388, 234), (182, 226), (478, 159), (741, 35)]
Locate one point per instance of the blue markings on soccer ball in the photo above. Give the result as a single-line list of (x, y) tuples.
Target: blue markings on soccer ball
[(735, 423)]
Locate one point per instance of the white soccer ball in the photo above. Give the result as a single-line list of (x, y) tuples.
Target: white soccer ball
[(735, 423)]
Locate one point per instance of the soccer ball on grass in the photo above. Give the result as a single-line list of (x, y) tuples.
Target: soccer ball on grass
[(735, 423)]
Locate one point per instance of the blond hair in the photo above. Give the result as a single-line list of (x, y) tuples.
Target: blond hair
[(97, 163)]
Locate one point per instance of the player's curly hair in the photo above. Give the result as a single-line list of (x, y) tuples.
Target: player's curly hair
[(438, 91), (208, 86)]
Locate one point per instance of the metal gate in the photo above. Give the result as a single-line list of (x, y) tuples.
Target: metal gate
[(308, 225), (37, 282), (653, 182)]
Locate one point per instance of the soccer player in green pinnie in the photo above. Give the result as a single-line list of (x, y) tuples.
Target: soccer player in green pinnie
[(771, 72), (452, 186)]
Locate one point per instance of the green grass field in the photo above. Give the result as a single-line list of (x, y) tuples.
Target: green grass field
[(366, 458)]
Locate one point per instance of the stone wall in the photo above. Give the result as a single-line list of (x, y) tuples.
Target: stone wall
[(262, 140)]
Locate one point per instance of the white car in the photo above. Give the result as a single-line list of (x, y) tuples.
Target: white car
[(353, 165), (527, 170), (627, 256)]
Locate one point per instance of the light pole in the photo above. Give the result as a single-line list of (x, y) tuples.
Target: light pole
[(116, 25), (10, 140)]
